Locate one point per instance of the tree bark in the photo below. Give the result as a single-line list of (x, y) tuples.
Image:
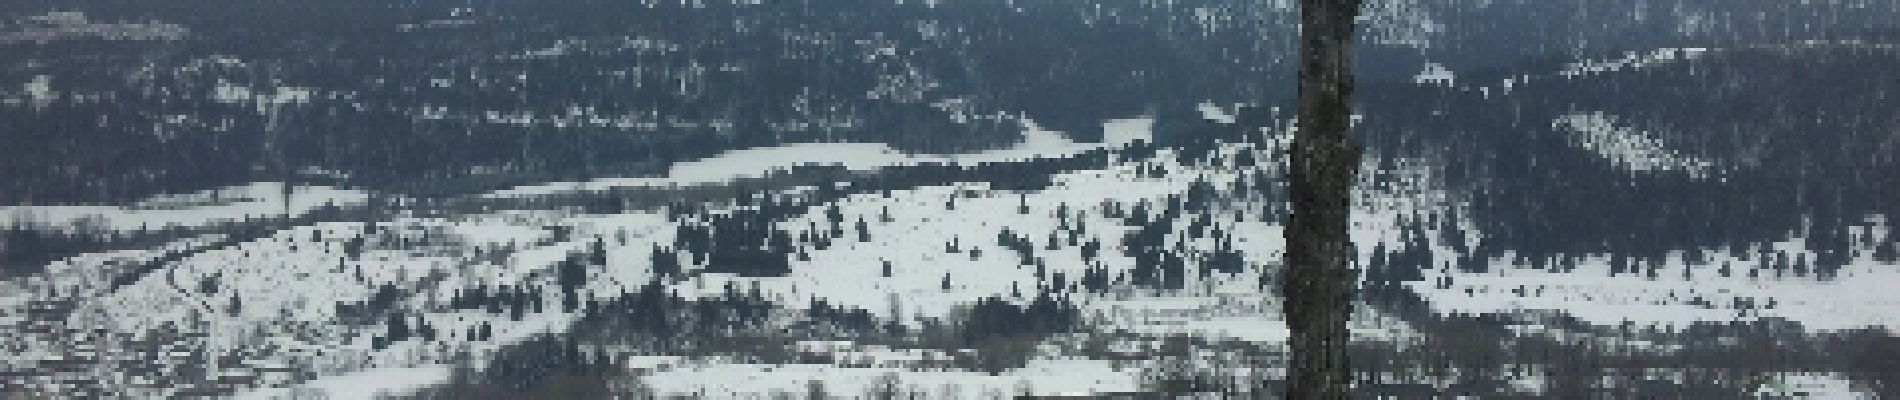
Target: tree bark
[(1318, 283)]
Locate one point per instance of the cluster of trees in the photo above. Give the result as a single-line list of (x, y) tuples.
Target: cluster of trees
[(997, 317), (401, 329), (1158, 243), (513, 300), (744, 242)]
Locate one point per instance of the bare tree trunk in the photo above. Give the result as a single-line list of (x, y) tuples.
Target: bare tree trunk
[(1324, 161)]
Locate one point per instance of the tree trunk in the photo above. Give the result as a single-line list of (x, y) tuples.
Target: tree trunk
[(1324, 161)]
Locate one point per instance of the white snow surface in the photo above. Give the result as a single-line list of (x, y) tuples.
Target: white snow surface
[(761, 162), (190, 210), (1041, 377), (289, 283), (1628, 148), (1683, 294)]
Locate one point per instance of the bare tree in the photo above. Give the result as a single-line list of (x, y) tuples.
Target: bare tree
[(1324, 161)]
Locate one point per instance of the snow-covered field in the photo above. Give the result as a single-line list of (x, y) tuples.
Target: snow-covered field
[(311, 308)]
